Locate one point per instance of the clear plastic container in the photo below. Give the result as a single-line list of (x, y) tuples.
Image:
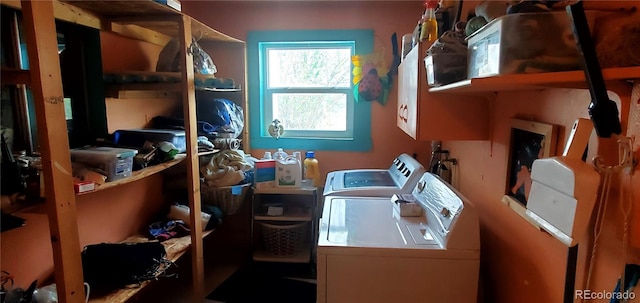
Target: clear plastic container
[(524, 43), (115, 163)]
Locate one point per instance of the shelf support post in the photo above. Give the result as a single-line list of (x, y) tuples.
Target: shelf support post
[(46, 84), (193, 172)]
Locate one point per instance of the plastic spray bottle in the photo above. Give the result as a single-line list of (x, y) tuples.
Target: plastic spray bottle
[(429, 30)]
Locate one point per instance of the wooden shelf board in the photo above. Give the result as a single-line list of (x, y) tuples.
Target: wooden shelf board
[(569, 79), (15, 76), (141, 19), (116, 90), (151, 15), (175, 247), (140, 174), (222, 90)]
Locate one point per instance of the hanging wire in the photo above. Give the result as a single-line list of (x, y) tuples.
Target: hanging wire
[(625, 161), (597, 228)]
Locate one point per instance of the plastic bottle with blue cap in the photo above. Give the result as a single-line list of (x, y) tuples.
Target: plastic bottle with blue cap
[(311, 170)]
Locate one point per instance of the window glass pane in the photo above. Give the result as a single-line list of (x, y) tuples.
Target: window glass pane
[(309, 67), (68, 111), (307, 111)]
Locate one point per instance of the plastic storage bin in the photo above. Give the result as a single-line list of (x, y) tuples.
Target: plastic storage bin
[(283, 238), (445, 68), (115, 163), (524, 43)]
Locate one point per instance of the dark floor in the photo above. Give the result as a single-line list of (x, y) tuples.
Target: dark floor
[(268, 282)]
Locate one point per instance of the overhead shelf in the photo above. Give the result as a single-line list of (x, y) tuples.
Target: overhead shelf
[(167, 82), (513, 82), (150, 15), (140, 19)]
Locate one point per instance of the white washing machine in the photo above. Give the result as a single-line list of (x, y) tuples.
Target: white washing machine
[(368, 253), (401, 177)]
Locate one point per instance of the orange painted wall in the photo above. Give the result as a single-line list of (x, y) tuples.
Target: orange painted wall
[(239, 17), (124, 54), (105, 216), (519, 262)]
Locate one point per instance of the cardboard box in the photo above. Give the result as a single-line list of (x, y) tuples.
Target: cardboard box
[(83, 186), (265, 173)]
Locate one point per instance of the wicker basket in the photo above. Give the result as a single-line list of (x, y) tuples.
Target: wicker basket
[(224, 198), (283, 239)]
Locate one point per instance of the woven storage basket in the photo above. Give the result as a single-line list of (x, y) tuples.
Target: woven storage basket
[(223, 197), (283, 239)]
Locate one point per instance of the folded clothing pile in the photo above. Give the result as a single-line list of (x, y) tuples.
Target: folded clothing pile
[(226, 168)]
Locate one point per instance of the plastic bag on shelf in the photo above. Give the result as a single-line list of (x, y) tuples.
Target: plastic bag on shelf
[(223, 114), (169, 59)]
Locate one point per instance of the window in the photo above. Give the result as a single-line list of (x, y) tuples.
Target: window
[(304, 79)]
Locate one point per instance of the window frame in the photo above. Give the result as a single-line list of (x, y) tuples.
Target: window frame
[(361, 136), (347, 90)]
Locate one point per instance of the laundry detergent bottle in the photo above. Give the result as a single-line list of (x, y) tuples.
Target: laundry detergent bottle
[(288, 172), (311, 170)]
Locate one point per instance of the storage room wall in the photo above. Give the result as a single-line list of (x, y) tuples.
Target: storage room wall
[(237, 18), (133, 109), (105, 216), (519, 262)]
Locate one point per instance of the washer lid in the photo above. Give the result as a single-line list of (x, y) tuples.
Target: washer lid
[(366, 178), (372, 222)]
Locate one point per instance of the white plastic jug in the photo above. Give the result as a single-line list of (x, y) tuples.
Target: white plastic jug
[(288, 172)]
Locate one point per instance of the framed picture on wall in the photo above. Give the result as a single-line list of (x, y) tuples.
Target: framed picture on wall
[(529, 141)]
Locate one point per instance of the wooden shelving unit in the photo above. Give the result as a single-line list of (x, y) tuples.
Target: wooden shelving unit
[(145, 20), (515, 82), (299, 206)]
